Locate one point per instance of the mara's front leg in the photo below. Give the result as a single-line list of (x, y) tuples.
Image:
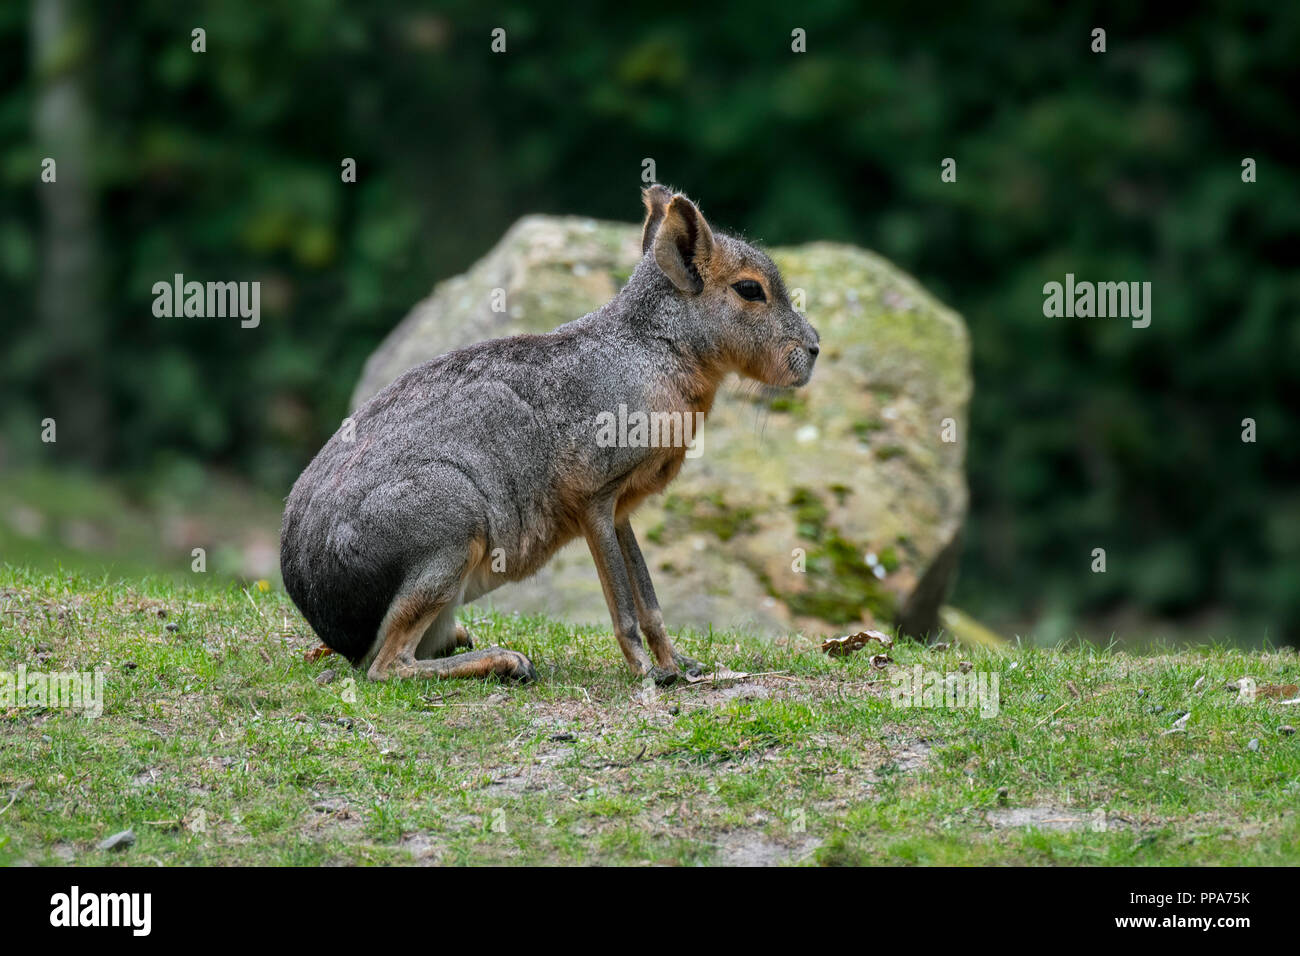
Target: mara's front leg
[(647, 605), (603, 540)]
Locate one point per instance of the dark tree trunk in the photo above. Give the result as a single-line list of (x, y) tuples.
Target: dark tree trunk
[(70, 308)]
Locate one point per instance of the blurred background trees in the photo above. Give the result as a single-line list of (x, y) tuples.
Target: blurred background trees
[(1120, 166)]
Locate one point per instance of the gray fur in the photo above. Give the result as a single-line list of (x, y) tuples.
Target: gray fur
[(493, 446)]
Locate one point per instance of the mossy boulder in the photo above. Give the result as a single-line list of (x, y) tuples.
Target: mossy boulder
[(819, 510)]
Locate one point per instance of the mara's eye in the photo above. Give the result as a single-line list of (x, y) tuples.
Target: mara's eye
[(749, 289)]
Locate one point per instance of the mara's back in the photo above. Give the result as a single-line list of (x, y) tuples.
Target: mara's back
[(470, 444)]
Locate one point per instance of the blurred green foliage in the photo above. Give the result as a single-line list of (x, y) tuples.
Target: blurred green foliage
[(1122, 166)]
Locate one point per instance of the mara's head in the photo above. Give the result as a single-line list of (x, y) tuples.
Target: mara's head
[(731, 291)]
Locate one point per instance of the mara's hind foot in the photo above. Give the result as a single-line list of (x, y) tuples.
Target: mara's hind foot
[(417, 622), (506, 664)]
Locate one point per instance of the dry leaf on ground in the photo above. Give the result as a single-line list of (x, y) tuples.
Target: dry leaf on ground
[(843, 646)]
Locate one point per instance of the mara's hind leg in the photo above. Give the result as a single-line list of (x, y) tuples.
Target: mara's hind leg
[(420, 632), (444, 637), (506, 664), (440, 638)]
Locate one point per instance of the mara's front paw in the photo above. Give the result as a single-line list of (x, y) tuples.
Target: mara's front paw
[(688, 665), (663, 676)]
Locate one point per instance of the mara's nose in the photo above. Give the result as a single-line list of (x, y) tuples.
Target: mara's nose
[(814, 349)]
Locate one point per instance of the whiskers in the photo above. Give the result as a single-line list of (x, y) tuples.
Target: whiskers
[(758, 395)]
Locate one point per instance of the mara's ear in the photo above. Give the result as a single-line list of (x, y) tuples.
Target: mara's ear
[(656, 199), (683, 244)]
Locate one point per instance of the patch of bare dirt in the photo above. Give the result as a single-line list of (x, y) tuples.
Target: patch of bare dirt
[(424, 847), (749, 848), (1049, 818)]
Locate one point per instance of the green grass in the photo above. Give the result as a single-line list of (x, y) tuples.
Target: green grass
[(217, 745), (145, 524)]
